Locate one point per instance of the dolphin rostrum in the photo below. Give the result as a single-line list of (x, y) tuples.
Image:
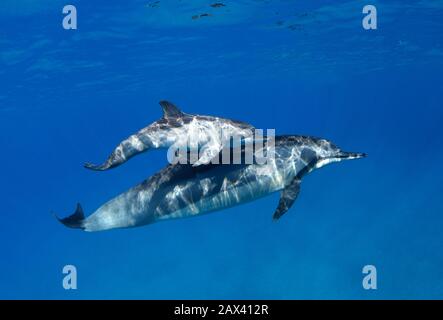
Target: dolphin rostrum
[(183, 190), (177, 128)]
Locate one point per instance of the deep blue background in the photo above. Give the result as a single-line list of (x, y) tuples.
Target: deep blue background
[(68, 97)]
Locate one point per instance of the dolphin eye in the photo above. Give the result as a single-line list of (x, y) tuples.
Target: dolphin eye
[(307, 155)]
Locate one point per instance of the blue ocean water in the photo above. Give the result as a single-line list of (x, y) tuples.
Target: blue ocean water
[(69, 96)]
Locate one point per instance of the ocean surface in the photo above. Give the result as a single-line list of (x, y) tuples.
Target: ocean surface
[(300, 67)]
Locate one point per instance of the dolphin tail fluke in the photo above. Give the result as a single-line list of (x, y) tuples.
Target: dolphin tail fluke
[(121, 154), (75, 220), (127, 149), (97, 167), (135, 144)]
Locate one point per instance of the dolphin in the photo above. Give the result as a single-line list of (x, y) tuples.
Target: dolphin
[(182, 190), (177, 128)]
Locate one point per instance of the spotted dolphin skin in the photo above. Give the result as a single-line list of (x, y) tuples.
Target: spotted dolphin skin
[(183, 190), (178, 128)]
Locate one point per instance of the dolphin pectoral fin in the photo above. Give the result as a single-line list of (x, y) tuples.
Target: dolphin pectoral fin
[(75, 220), (207, 154), (287, 198)]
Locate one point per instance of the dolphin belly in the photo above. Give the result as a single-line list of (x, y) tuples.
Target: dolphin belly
[(211, 193)]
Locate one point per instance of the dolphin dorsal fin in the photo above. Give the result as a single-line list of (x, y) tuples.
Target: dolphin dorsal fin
[(170, 110), (287, 198)]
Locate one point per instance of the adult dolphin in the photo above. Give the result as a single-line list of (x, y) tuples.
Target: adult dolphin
[(176, 128), (181, 190)]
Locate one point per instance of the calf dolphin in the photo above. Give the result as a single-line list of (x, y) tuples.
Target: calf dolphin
[(178, 128), (181, 190)]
